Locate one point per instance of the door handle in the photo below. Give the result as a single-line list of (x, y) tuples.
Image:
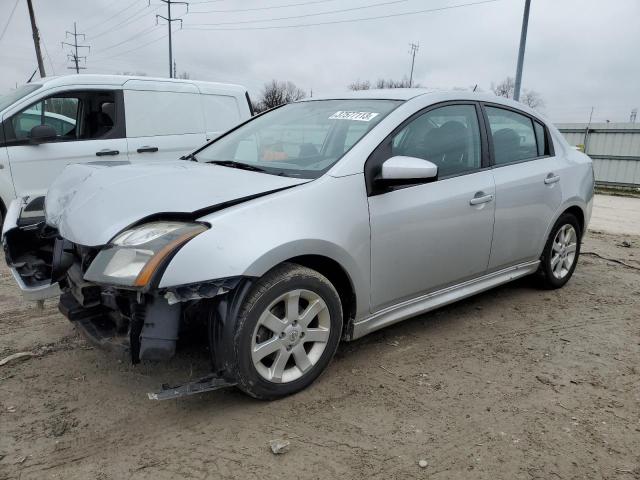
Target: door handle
[(551, 178), (106, 152), (480, 199), (146, 149)]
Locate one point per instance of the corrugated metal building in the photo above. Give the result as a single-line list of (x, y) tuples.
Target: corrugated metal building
[(614, 148)]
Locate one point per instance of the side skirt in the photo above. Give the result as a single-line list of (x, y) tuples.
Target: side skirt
[(431, 301)]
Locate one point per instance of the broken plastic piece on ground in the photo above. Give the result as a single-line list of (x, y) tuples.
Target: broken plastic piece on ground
[(205, 384)]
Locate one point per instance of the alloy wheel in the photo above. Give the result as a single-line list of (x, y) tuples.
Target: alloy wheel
[(563, 251), (290, 336)]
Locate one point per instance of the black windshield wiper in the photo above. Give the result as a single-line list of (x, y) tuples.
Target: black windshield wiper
[(240, 165), (190, 156)]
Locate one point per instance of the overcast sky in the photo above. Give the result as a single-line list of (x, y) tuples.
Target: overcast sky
[(580, 53)]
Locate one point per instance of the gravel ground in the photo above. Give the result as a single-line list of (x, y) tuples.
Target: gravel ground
[(515, 383)]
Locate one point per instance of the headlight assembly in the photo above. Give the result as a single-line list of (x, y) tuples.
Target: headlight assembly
[(134, 255)]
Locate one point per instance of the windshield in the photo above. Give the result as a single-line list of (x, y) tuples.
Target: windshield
[(300, 139), (15, 95)]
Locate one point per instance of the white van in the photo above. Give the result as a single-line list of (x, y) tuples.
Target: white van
[(56, 121)]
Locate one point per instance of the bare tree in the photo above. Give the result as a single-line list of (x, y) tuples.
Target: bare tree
[(360, 85), (532, 99), (382, 83), (133, 74), (277, 93), (184, 75), (404, 83), (506, 88)]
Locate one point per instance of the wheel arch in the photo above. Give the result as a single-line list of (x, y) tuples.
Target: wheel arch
[(577, 212), (340, 279)]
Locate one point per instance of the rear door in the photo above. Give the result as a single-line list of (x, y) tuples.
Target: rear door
[(528, 188), (164, 120), (89, 127)]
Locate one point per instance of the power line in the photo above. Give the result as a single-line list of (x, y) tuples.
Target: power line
[(392, 2), (74, 55), (414, 47), (169, 21), (102, 22), (4, 30), (119, 54), (137, 35), (132, 19), (352, 20), (255, 9), (36, 39)]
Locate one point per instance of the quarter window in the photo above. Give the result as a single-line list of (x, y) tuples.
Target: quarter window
[(541, 139), (447, 136), (514, 139)]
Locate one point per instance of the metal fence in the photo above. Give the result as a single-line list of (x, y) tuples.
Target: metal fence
[(614, 148)]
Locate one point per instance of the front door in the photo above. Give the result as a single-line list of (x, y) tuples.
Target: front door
[(87, 130), (429, 236)]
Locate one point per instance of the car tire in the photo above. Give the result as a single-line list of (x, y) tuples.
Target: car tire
[(561, 252), (286, 333)]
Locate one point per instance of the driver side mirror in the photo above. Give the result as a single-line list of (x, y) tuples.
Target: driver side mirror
[(400, 170), (41, 134)]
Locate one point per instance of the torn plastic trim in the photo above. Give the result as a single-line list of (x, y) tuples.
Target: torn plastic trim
[(200, 290)]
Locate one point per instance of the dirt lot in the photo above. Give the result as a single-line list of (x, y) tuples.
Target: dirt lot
[(516, 383)]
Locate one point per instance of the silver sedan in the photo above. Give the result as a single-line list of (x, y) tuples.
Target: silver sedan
[(319, 221)]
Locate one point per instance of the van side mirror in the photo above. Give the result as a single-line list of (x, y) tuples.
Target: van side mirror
[(42, 133), (400, 170)]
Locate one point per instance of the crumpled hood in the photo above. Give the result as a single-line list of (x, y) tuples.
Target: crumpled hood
[(90, 203)]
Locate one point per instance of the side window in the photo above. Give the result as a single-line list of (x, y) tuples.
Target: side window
[(513, 136), (81, 116), (220, 112), (152, 113), (541, 139), (59, 113), (447, 136)]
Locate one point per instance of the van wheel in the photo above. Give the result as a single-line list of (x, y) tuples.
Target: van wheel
[(560, 255), (286, 333)]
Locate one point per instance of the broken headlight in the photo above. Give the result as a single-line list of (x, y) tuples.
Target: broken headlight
[(133, 256)]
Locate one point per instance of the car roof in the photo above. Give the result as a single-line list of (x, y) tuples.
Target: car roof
[(120, 80), (408, 94)]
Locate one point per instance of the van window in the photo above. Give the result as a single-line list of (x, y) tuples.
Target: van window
[(74, 116), (513, 136), (151, 113), (220, 112)]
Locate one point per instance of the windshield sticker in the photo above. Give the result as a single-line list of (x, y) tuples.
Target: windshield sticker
[(357, 116)]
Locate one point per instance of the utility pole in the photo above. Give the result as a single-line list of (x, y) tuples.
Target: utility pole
[(169, 20), (413, 50), (523, 41), (74, 56), (36, 39)]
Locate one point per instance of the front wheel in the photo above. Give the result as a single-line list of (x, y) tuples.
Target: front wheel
[(287, 332), (561, 252)]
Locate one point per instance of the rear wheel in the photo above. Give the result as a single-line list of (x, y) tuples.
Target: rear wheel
[(287, 332), (561, 252)]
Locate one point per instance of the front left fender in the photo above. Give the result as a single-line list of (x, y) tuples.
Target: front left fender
[(327, 217)]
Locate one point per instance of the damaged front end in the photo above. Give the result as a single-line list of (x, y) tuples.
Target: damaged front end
[(111, 292)]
